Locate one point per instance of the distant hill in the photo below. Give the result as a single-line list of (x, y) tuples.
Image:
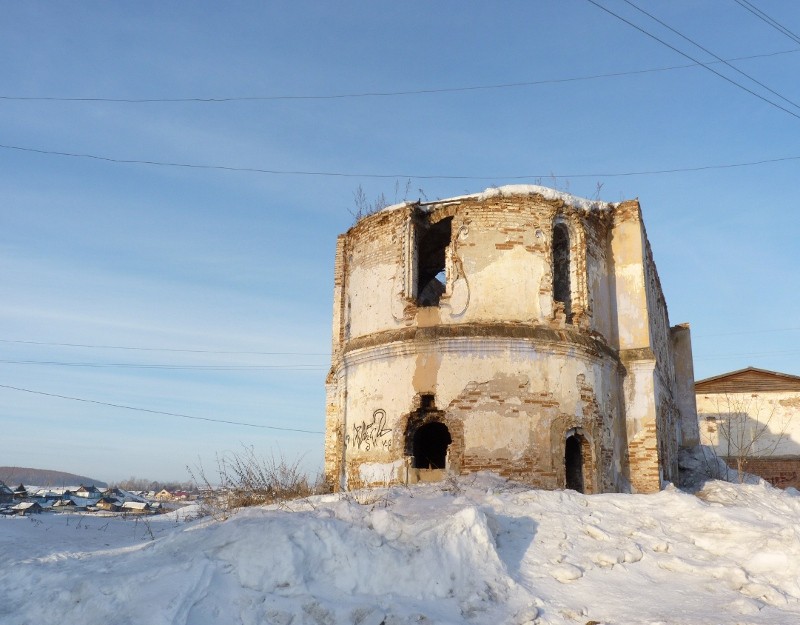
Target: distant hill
[(13, 476)]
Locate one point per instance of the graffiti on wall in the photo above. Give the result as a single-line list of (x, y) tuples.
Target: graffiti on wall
[(373, 434)]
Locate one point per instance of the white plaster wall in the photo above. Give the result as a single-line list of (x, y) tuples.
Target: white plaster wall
[(545, 371), (504, 285), (497, 431), (630, 295), (779, 411), (639, 389), (632, 330), (383, 473), (381, 384), (370, 299)]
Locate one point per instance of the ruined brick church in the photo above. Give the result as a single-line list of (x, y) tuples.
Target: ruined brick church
[(520, 330)]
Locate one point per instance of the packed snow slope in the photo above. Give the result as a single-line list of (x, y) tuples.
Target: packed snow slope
[(475, 550)]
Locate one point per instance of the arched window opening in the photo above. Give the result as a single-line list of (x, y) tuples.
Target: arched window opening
[(573, 463), (561, 262), (432, 262), (430, 446)]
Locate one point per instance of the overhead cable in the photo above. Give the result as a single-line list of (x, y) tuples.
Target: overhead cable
[(749, 355), (383, 94), (688, 56), (744, 332), (766, 18), (133, 365), (160, 412), (165, 349), (287, 172), (707, 51)]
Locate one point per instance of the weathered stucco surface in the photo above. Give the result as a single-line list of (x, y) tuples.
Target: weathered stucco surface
[(752, 417), (775, 415), (493, 367)]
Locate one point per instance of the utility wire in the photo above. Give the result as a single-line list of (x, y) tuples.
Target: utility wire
[(766, 18), (130, 365), (159, 412), (378, 94), (748, 354), (745, 332), (166, 349), (286, 172), (707, 51), (705, 65), (290, 367), (208, 351)]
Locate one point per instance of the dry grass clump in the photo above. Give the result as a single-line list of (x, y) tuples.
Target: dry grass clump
[(246, 479)]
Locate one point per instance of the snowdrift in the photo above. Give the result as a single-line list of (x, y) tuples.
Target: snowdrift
[(479, 550)]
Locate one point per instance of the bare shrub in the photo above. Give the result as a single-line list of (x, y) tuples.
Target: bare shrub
[(743, 426), (247, 479), (365, 207)]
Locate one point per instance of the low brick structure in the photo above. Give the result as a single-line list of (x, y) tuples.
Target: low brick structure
[(520, 330), (777, 470)]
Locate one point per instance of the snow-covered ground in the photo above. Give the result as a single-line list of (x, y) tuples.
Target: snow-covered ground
[(476, 550)]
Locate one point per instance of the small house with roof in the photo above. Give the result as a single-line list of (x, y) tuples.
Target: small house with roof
[(751, 417), (136, 507), (109, 504), (88, 492), (27, 507)]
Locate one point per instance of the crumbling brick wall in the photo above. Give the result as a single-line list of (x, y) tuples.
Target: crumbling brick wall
[(781, 472), (514, 372)]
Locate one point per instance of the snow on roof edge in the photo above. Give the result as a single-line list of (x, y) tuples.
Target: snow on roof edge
[(518, 189), (547, 193)]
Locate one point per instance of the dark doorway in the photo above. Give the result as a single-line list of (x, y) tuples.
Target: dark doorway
[(430, 446), (573, 463)]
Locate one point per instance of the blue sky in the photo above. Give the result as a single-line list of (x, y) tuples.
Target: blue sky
[(165, 259)]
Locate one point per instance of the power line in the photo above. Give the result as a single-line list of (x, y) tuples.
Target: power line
[(766, 18), (789, 352), (705, 65), (745, 332), (285, 172), (130, 365), (706, 50), (160, 412), (210, 351), (381, 94), (166, 349)]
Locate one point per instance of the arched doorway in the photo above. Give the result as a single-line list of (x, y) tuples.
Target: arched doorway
[(430, 446), (573, 462)]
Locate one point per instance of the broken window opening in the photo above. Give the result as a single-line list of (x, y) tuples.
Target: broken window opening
[(573, 463), (561, 263), (430, 446), (432, 246)]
